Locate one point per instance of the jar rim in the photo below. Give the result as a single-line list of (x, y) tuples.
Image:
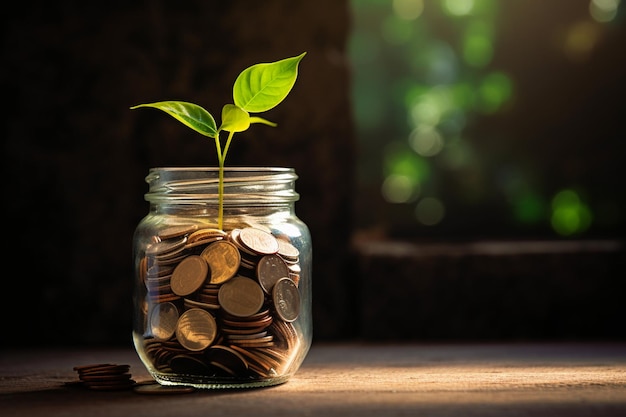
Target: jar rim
[(229, 168), (241, 184)]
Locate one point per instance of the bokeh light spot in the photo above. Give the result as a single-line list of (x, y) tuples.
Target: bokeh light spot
[(429, 107), (401, 160), (399, 189), (396, 31), (603, 10), (580, 39), (408, 9), (529, 208), (458, 7), (495, 90), (478, 45), (426, 141), (570, 215), (457, 154), (430, 211)]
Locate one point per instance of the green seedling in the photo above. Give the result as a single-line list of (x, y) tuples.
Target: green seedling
[(257, 89)]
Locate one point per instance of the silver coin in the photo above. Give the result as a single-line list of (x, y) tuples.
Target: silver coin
[(286, 299), (270, 269)]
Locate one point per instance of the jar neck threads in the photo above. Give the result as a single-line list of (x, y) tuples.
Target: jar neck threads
[(242, 186)]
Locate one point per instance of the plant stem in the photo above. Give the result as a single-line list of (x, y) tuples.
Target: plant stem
[(220, 193), (230, 138), (221, 158), (220, 184)]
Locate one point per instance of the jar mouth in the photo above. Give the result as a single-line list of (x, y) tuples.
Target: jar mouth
[(242, 185), (241, 169)]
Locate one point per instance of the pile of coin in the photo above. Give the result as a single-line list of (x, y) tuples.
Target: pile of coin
[(105, 376), (220, 303)]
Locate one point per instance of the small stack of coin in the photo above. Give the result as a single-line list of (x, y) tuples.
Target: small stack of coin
[(105, 376)]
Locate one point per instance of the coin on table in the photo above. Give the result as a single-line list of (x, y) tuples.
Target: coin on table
[(286, 299), (163, 320), (241, 296), (258, 241), (94, 367), (189, 275), (270, 269), (158, 389), (196, 329), (106, 377), (223, 259)]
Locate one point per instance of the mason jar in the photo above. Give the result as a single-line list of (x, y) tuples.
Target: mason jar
[(222, 291)]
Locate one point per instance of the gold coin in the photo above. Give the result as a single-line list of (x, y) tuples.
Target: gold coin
[(223, 259), (270, 269), (241, 296), (258, 241), (286, 299), (196, 329), (189, 275), (163, 320)]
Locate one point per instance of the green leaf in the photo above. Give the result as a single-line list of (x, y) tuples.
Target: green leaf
[(263, 86), (189, 114), (255, 119), (234, 119)]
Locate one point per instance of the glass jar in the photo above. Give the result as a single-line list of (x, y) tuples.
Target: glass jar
[(222, 304)]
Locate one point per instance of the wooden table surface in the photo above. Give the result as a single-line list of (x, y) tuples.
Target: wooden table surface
[(347, 379)]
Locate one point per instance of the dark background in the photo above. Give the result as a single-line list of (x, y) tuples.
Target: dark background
[(75, 157)]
